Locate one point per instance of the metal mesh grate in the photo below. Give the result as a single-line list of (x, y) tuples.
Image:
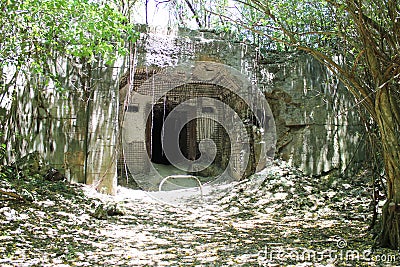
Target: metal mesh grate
[(135, 155)]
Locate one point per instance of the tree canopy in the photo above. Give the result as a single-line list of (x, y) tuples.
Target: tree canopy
[(72, 28)]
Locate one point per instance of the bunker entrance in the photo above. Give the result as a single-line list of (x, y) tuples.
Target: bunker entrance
[(155, 134), (206, 134)]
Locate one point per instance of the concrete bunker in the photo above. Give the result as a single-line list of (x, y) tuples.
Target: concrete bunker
[(204, 118), (318, 131)]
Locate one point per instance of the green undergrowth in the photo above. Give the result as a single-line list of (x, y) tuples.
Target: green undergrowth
[(30, 180)]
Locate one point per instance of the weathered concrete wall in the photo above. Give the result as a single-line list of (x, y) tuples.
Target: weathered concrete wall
[(75, 130), (318, 127), (317, 123)]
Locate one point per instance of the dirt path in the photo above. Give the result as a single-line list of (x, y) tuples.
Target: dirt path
[(279, 218)]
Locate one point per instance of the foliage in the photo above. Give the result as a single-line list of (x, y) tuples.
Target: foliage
[(42, 29), (334, 33), (203, 14), (31, 177)]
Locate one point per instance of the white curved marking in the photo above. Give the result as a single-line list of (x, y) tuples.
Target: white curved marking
[(181, 176)]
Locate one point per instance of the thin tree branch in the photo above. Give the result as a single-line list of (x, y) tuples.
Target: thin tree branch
[(243, 25), (196, 16)]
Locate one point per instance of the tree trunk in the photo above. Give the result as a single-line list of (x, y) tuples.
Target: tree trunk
[(387, 113)]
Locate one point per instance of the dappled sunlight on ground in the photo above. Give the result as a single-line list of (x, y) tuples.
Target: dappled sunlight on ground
[(277, 218)]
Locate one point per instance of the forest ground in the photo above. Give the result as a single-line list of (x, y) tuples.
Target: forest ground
[(279, 217)]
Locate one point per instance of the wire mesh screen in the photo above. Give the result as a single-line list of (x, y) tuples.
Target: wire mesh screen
[(205, 127)]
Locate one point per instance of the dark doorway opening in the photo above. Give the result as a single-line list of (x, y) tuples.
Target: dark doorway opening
[(155, 135)]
